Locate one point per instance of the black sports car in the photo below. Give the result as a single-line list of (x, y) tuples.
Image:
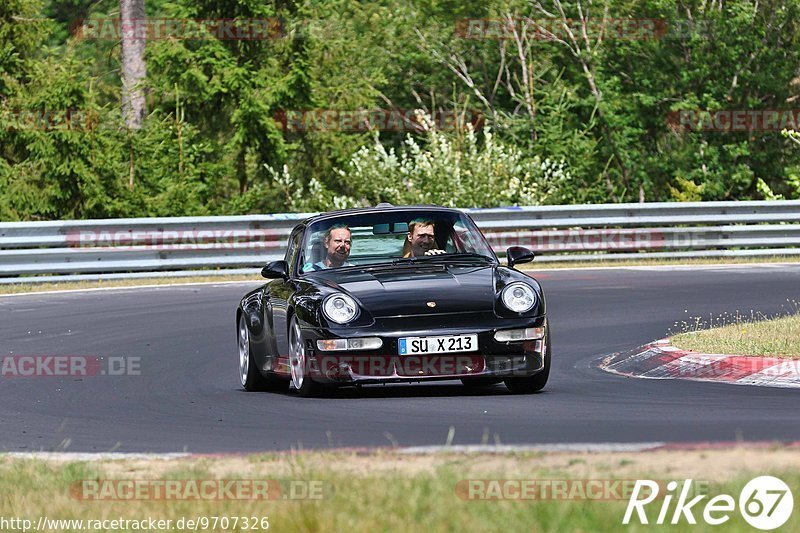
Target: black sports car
[(393, 294)]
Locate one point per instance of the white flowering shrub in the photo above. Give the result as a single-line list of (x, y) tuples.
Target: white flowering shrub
[(313, 196), (794, 171), (456, 172), (470, 170)]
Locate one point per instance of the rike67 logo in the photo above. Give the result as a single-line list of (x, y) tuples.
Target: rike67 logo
[(765, 503)]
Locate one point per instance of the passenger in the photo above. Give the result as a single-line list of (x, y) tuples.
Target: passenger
[(421, 239)]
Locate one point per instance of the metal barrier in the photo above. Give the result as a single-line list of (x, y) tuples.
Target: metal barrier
[(129, 248)]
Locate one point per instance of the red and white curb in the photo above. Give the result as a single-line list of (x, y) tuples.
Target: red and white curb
[(661, 360)]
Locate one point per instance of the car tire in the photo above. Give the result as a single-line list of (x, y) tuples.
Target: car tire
[(298, 363), (250, 378), (474, 383), (536, 382)]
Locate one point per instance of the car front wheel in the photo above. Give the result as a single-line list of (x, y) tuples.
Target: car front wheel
[(249, 376), (306, 387), (536, 382)]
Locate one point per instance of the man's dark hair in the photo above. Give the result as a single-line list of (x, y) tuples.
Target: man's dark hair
[(327, 235), (420, 222)]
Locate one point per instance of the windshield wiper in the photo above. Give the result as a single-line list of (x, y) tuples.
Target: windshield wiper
[(443, 257), (465, 255)]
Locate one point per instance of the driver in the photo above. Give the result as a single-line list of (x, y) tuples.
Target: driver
[(337, 242), (421, 239)]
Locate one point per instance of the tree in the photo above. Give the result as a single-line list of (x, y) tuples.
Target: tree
[(134, 69)]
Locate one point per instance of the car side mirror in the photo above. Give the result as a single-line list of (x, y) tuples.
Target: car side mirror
[(276, 270), (518, 254)]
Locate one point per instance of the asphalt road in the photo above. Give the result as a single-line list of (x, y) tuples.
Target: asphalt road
[(184, 395)]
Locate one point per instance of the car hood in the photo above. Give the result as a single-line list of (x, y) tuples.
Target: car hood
[(420, 289)]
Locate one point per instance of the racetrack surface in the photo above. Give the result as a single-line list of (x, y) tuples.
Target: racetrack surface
[(187, 397)]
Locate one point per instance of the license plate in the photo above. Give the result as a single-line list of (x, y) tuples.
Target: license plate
[(452, 343)]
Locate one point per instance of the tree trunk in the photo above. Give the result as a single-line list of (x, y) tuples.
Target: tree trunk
[(133, 27)]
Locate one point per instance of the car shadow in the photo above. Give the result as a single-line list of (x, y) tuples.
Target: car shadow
[(411, 390), (407, 390)]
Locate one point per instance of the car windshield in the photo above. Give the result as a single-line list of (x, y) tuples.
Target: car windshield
[(392, 237)]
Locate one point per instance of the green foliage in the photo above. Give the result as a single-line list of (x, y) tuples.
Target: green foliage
[(474, 169), (564, 122), (20, 36), (794, 171), (437, 170)]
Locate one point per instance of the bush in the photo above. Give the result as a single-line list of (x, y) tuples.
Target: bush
[(469, 169)]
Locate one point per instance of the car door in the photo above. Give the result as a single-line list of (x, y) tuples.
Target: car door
[(280, 291)]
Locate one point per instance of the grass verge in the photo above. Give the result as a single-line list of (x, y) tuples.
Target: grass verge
[(545, 265), (23, 288), (388, 491), (754, 335)]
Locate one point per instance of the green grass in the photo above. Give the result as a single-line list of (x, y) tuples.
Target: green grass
[(21, 288), (385, 492), (544, 265), (754, 335)]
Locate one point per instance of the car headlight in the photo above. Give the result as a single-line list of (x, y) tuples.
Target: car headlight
[(518, 297), (339, 308)]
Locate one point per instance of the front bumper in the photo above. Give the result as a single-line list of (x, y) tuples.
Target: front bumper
[(492, 359)]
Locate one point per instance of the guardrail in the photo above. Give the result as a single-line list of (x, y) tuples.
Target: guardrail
[(128, 248)]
